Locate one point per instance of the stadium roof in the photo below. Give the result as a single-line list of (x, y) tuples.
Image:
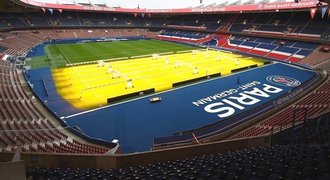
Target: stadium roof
[(168, 4), (180, 6)]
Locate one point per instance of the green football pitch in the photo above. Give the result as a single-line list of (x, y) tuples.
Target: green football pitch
[(59, 55), (62, 54)]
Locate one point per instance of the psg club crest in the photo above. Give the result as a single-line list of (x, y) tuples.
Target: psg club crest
[(283, 81)]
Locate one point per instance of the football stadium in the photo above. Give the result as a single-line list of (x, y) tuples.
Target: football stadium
[(141, 89)]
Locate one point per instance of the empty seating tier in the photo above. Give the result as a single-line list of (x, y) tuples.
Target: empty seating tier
[(23, 124)]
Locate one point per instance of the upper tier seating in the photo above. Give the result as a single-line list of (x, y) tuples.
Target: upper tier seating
[(184, 36), (280, 23), (296, 24)]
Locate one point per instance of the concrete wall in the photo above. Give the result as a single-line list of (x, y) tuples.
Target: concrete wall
[(33, 160), (12, 170)]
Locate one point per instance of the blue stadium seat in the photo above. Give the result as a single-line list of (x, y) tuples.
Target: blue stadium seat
[(3, 49), (272, 28), (304, 52), (266, 46), (306, 45), (237, 42), (265, 40), (314, 30), (237, 27), (251, 44), (287, 49)]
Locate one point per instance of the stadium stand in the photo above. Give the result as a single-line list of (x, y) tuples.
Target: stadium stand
[(185, 28), (313, 132), (23, 124), (3, 49), (183, 36), (317, 57), (313, 104), (305, 156), (276, 49), (20, 43), (285, 36), (232, 165), (295, 25)]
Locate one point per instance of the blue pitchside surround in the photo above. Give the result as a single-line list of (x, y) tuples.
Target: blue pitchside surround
[(37, 50), (44, 88), (136, 123)]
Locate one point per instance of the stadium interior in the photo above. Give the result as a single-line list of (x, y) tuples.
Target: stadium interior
[(91, 89)]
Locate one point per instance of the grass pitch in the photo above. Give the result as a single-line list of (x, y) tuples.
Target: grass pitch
[(89, 86), (59, 55), (85, 52)]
